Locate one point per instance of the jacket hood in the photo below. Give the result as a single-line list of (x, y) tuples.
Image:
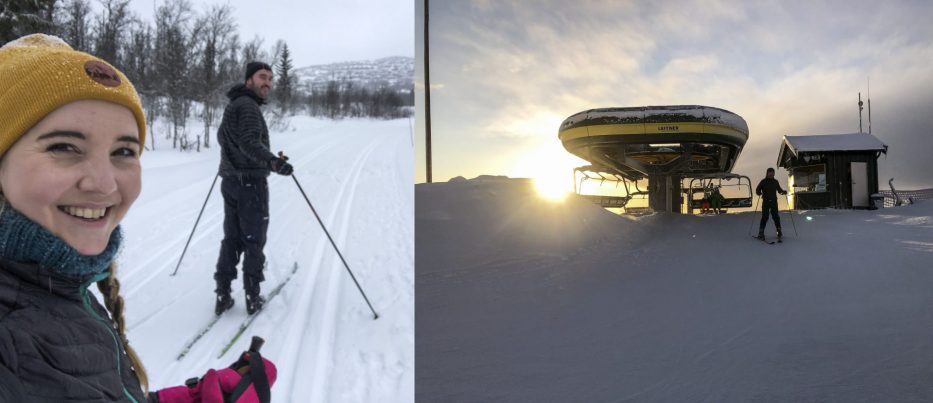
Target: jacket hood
[(240, 90)]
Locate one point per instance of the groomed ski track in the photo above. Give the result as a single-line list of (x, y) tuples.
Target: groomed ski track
[(319, 331)]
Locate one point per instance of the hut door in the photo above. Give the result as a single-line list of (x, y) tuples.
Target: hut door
[(859, 184)]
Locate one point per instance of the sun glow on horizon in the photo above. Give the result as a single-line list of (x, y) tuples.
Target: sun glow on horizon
[(551, 189), (551, 169)]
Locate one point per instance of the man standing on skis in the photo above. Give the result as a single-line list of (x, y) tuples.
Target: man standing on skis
[(245, 162), (768, 189)]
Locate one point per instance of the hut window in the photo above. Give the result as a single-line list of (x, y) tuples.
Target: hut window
[(809, 178)]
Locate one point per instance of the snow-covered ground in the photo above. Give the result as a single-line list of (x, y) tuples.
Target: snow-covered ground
[(523, 300), (318, 331)]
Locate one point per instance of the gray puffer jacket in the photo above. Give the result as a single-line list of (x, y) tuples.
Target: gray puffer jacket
[(57, 343), (243, 136)]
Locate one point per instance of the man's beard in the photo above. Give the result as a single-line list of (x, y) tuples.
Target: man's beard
[(258, 90)]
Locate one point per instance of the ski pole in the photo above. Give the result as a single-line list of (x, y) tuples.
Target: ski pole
[(787, 199), (375, 315), (753, 220), (196, 223)]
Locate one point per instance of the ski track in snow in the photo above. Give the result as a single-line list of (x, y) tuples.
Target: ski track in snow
[(325, 282), (318, 330)]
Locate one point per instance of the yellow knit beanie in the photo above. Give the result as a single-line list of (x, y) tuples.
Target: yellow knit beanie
[(40, 73)]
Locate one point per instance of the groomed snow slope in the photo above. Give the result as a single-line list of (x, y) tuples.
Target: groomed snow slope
[(319, 330), (521, 300)]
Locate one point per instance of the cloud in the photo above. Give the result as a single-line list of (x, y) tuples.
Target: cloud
[(514, 71)]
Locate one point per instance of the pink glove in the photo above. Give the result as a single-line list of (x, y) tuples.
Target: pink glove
[(214, 385)]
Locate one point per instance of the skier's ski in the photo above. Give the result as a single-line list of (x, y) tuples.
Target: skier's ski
[(249, 320), (216, 318), (763, 240), (197, 337)]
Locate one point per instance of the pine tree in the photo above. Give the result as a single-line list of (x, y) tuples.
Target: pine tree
[(284, 84), (22, 17)]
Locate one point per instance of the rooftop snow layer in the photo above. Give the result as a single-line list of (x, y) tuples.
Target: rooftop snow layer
[(835, 142), (657, 114)]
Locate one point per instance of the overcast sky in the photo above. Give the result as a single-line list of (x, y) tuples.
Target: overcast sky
[(318, 31), (504, 74)]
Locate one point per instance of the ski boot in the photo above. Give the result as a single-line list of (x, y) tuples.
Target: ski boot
[(779, 235), (761, 235), (224, 303), (254, 302)]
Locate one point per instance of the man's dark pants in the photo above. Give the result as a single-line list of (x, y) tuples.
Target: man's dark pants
[(769, 207), (246, 217)]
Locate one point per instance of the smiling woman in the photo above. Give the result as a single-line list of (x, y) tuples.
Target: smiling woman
[(77, 183), (73, 130), (69, 170)]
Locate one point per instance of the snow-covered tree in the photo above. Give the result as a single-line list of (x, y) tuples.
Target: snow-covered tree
[(173, 64), (23, 17), (110, 30), (74, 21), (214, 36)]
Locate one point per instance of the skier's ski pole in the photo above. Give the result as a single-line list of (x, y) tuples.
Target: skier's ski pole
[(787, 199), (196, 223), (753, 220), (375, 315)]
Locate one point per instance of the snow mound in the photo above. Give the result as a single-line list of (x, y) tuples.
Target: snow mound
[(506, 216), (520, 300)]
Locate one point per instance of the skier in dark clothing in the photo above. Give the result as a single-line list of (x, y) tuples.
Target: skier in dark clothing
[(768, 189), (244, 165)]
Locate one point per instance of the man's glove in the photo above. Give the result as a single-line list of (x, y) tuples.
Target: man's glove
[(281, 166)]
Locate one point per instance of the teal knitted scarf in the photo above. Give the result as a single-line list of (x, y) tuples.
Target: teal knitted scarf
[(24, 241)]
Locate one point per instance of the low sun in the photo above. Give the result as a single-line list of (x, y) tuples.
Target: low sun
[(551, 169), (551, 187)]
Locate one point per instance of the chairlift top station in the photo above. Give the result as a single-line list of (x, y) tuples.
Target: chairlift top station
[(664, 144)]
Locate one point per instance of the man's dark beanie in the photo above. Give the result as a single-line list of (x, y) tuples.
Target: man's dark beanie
[(253, 67)]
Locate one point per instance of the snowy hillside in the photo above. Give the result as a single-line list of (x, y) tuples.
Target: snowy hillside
[(522, 300), (318, 330), (396, 72)]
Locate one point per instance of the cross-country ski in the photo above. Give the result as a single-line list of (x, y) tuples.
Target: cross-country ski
[(249, 319)]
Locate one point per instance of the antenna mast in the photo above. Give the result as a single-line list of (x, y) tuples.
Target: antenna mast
[(860, 112), (427, 97), (869, 105)]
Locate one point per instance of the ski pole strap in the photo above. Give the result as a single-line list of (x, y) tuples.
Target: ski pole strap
[(260, 380), (257, 377)]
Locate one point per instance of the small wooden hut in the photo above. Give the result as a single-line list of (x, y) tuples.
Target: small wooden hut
[(831, 171)]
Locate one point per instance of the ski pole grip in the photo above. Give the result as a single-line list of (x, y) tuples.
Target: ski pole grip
[(256, 344), (242, 365)]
